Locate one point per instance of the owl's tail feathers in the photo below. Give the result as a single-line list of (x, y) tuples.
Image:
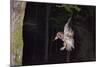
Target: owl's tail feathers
[(69, 48)]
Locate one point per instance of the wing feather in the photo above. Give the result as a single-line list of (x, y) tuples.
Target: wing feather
[(66, 27)]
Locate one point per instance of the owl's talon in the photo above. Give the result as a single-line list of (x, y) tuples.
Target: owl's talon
[(62, 48)]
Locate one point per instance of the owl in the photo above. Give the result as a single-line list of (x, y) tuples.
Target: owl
[(67, 37)]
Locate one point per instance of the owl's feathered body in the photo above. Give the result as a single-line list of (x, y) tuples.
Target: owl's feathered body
[(66, 37)]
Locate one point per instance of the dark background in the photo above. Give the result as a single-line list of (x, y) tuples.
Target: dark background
[(41, 23)]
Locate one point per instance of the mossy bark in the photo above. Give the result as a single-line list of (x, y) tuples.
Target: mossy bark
[(17, 15)]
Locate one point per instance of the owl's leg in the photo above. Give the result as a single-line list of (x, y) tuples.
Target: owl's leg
[(64, 46)]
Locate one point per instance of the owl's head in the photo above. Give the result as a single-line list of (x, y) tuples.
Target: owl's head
[(59, 35)]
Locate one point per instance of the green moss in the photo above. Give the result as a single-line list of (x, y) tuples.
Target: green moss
[(17, 42)]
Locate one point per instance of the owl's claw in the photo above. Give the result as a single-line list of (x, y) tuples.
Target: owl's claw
[(62, 48)]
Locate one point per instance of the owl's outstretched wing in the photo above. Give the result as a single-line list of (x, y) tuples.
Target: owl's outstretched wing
[(68, 36), (66, 27)]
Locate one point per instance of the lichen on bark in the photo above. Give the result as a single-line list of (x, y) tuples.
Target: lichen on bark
[(17, 15)]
